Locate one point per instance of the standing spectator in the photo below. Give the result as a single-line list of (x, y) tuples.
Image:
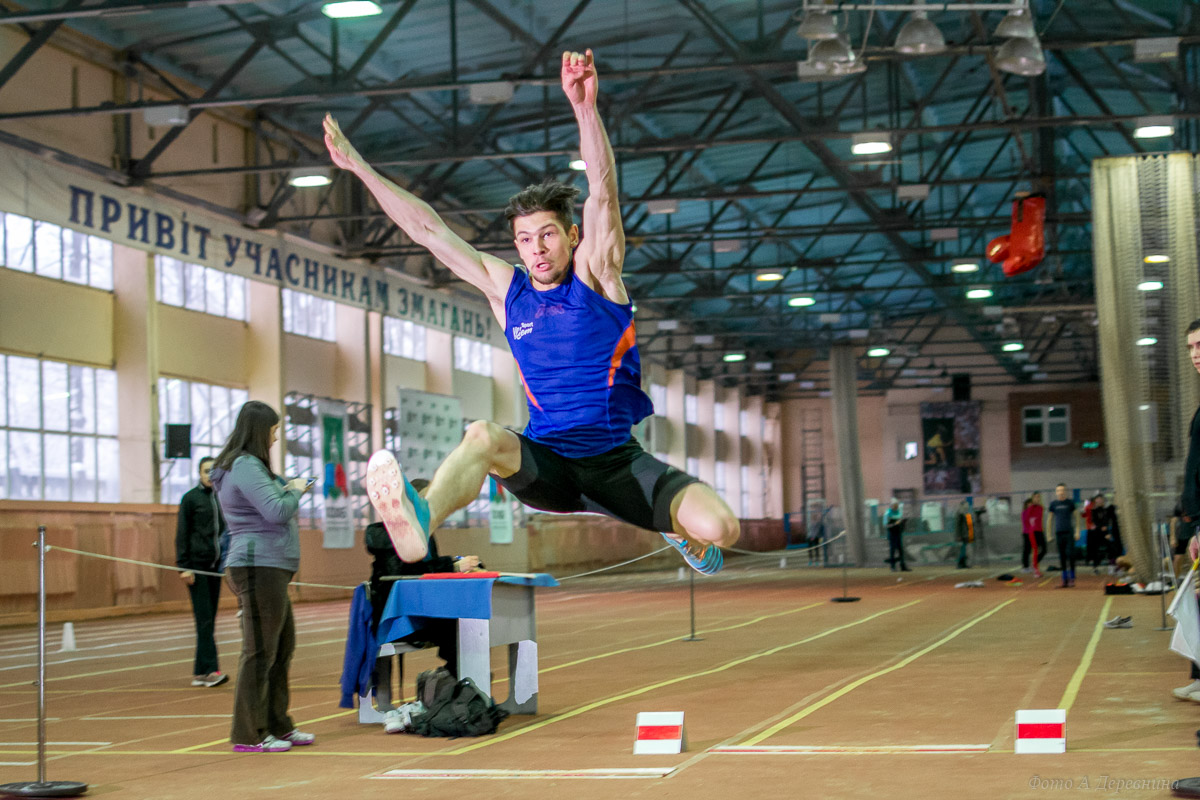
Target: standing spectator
[(1104, 525), (964, 532), (1095, 544), (1189, 499), (1178, 542), (893, 519), (436, 631), (1063, 516), (198, 549), (1032, 526), (264, 554)]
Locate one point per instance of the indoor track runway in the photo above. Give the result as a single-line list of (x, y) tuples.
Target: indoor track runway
[(910, 693)]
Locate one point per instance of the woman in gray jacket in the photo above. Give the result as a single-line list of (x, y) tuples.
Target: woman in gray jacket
[(264, 553)]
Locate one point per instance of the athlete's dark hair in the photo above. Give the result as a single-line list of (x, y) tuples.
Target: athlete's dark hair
[(251, 436), (204, 461), (549, 196), (1195, 326)]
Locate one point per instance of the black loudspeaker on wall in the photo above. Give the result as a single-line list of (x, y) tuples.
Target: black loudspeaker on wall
[(179, 441), (960, 385)]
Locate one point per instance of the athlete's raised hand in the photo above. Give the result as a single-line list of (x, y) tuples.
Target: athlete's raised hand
[(579, 80), (340, 150)]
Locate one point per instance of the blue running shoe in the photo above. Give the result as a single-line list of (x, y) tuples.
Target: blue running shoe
[(708, 562), (403, 512)]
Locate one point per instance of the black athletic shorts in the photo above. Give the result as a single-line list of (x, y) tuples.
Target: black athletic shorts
[(626, 483)]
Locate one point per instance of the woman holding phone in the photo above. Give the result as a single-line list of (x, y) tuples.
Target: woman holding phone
[(264, 553)]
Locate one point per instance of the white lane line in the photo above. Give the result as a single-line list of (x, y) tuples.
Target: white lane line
[(86, 642), (806, 750), (17, 763), (30, 719), (522, 774), (51, 662)]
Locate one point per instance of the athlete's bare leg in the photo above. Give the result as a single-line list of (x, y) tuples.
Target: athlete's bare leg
[(486, 447), (699, 515)]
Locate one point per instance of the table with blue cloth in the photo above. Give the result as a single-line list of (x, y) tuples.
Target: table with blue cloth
[(490, 612)]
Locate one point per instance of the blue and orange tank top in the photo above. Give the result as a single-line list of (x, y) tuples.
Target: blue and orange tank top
[(577, 354)]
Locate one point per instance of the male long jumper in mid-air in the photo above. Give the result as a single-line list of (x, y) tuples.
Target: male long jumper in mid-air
[(569, 323)]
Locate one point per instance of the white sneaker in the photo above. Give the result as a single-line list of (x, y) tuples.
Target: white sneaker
[(399, 720), (267, 745), (299, 738), (1185, 692)]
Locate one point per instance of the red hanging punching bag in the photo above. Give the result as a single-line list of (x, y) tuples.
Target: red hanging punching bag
[(1024, 246)]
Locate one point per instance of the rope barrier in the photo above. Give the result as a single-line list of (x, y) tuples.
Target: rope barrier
[(778, 553), (614, 566), (136, 563), (177, 569)]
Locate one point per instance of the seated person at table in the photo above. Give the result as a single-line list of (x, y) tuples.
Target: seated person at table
[(439, 632)]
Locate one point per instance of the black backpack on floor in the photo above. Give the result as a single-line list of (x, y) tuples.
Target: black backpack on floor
[(454, 708)]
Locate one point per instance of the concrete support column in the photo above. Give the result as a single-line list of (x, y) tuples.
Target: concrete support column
[(752, 456), (352, 369), (377, 391), (677, 448), (733, 458), (706, 399), (508, 396), (264, 359), (439, 362), (135, 351), (773, 461), (844, 385)]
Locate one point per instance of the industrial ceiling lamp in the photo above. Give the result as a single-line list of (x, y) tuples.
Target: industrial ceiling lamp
[(819, 25), (1017, 24), (1021, 56), (828, 55), (920, 37)]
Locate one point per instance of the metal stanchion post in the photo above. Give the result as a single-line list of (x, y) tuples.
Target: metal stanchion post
[(692, 600), (842, 560), (42, 787), (1164, 548)]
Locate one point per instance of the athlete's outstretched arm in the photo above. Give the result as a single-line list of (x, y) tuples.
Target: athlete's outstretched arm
[(602, 251), (416, 218)]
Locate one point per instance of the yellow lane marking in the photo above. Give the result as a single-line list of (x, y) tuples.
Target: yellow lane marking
[(561, 666), (785, 723), (674, 639), (679, 679), (1068, 698), (1043, 583)]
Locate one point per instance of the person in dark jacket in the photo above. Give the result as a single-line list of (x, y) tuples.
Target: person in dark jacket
[(198, 549), (964, 531), (439, 632), (442, 633), (264, 554)]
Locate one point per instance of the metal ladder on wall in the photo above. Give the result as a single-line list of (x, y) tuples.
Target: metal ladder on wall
[(812, 465)]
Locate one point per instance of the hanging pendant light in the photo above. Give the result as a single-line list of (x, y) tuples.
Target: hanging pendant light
[(819, 25), (1021, 56), (920, 37)]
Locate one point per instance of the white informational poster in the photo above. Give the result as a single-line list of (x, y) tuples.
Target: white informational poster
[(428, 427), (500, 513)]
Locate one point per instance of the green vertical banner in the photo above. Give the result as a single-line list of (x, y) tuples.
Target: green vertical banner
[(500, 516), (339, 512)]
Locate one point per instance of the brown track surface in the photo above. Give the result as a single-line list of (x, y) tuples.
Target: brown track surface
[(778, 665)]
